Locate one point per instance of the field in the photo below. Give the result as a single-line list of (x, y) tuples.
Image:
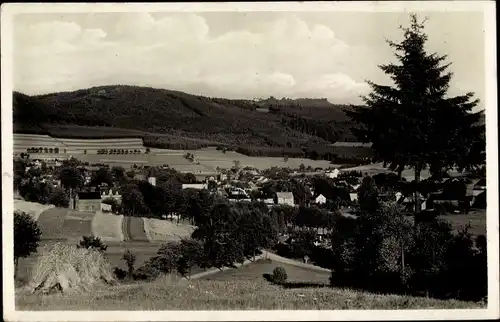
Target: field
[(477, 220), (237, 289), (32, 208), (67, 226), (208, 158)]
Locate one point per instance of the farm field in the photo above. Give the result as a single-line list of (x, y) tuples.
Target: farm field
[(114, 252), (408, 174), (34, 209), (208, 158), (166, 230)]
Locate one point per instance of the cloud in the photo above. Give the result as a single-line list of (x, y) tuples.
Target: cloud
[(285, 57)]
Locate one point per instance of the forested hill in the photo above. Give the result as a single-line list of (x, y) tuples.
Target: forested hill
[(266, 123)]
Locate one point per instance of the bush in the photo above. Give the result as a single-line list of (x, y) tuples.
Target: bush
[(91, 242), (150, 270), (279, 275), (59, 199), (26, 237), (119, 273)]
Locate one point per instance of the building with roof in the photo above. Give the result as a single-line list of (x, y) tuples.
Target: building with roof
[(320, 200), (284, 198)]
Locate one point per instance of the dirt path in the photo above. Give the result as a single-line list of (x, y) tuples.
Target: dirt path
[(289, 261)]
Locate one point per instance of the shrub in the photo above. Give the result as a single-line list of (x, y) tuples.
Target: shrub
[(91, 242), (279, 275), (119, 273), (26, 237), (149, 270), (59, 199)]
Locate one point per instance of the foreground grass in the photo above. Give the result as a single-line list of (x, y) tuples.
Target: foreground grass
[(169, 294)]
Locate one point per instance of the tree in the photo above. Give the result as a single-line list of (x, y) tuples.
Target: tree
[(129, 259), (59, 198), (133, 201), (26, 237), (191, 254), (70, 176), (407, 122), (118, 174), (19, 172), (103, 175)]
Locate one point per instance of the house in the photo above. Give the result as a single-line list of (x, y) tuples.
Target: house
[(139, 177), (320, 200), (284, 198), (152, 181), (86, 201), (199, 186), (333, 174), (110, 193), (409, 201), (353, 196)]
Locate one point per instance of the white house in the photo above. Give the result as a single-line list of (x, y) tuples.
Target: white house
[(333, 174), (320, 199), (284, 198), (199, 186), (152, 181)]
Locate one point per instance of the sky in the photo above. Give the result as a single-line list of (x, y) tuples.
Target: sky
[(235, 54)]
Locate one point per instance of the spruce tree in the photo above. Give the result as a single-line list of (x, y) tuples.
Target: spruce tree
[(414, 123)]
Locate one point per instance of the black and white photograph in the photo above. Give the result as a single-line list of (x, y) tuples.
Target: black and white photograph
[(250, 161)]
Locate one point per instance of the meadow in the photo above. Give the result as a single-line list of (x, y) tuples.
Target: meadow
[(243, 288)]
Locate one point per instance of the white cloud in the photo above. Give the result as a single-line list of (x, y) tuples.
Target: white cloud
[(286, 58)]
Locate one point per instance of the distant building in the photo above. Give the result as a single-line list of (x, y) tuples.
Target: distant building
[(320, 200), (284, 198), (110, 193), (333, 174), (139, 177), (199, 186), (152, 181), (353, 196), (86, 201)]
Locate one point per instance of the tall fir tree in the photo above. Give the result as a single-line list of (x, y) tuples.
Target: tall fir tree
[(414, 123)]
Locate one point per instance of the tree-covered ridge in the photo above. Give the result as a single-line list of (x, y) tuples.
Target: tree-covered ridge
[(218, 120)]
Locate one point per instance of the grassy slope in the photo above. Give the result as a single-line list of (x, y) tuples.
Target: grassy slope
[(170, 113), (166, 294)]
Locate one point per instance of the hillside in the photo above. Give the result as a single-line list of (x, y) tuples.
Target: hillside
[(168, 293), (168, 117)]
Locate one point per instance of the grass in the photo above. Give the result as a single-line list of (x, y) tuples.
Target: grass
[(166, 230), (255, 272), (168, 293), (476, 218), (135, 226), (108, 227), (34, 209), (78, 224), (51, 223)]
